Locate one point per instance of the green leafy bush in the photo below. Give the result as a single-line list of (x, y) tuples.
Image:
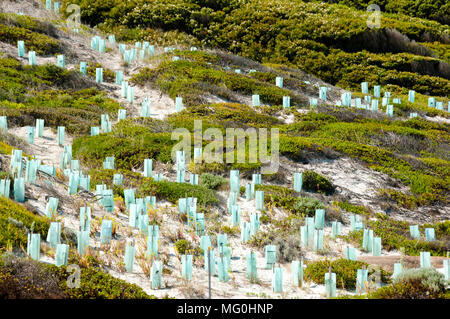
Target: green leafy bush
[(16, 222), (211, 181), (420, 283), (306, 206), (345, 270), (315, 182)]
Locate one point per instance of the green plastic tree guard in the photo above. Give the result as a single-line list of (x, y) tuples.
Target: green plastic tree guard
[(54, 234), (34, 246), (21, 49), (4, 123), (51, 207), (286, 102), (106, 231), (186, 267), (323, 93), (222, 241), (330, 285), (85, 218), (270, 255), (335, 229), (5, 187), (30, 134), (61, 60), (376, 248), (193, 179), (254, 222), (235, 215), (118, 179), (319, 219), (411, 96), (318, 240), (152, 243), (298, 182), (130, 94), (82, 242), (108, 163), (83, 68), (232, 200), (384, 101), (256, 100), (178, 104), (122, 114), (94, 43), (390, 110), (61, 255), (367, 240), (119, 77), (234, 181), (430, 234), (210, 262), (148, 167), (102, 45), (398, 269), (313, 102), (365, 87), (61, 133), (362, 280), (40, 127), (447, 269), (129, 257), (129, 197), (95, 130), (249, 195), (227, 256), (85, 182), (205, 242), (350, 253), (279, 81), (112, 39), (32, 58), (432, 102), (31, 170), (377, 91), (182, 205), (222, 269), (19, 190), (48, 5), (414, 231), (425, 259), (251, 273), (245, 232), (133, 216), (297, 273), (124, 89), (256, 179), (277, 280), (259, 198), (74, 182), (156, 274), (99, 75)]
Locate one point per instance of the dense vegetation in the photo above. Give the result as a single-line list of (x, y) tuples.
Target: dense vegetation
[(328, 40)]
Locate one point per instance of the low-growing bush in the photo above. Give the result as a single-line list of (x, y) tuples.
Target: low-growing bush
[(315, 182), (345, 270), (211, 181)]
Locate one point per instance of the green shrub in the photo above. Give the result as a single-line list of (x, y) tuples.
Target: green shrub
[(345, 270), (421, 283), (16, 223), (182, 246), (211, 181), (306, 206), (315, 182)]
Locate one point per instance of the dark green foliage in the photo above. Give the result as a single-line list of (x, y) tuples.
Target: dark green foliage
[(16, 222), (315, 182), (344, 269), (211, 181)]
